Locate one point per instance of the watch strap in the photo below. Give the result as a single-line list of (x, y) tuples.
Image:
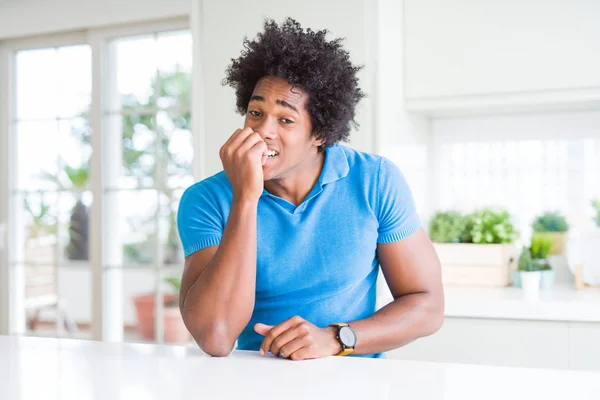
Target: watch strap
[(345, 350)]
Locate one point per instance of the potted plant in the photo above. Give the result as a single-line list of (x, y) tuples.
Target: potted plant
[(540, 248), (529, 274), (174, 328), (554, 226), (447, 227), (475, 249)]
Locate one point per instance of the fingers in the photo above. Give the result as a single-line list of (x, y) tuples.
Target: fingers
[(302, 353), (291, 335), (276, 331), (262, 329), (291, 342), (234, 141), (249, 142)]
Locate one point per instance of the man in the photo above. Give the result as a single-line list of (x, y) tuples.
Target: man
[(283, 247)]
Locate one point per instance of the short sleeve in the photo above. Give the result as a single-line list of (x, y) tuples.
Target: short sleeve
[(396, 210), (199, 219)]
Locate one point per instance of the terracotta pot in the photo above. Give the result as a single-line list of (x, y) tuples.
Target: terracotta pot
[(175, 330)]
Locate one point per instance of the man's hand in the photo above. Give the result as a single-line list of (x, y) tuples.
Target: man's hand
[(298, 339), (243, 157)]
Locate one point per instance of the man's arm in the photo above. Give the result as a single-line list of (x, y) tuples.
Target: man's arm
[(218, 284), (412, 270)]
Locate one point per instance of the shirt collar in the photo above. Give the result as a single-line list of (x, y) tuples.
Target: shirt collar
[(336, 165)]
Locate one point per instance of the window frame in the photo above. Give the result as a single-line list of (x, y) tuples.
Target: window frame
[(106, 284)]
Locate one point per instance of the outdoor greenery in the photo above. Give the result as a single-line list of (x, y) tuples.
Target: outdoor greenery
[(151, 162), (596, 205), (486, 226)]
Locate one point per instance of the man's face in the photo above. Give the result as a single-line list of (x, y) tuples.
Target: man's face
[(277, 110)]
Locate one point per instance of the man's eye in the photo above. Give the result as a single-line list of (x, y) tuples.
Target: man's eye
[(287, 121), (254, 113)]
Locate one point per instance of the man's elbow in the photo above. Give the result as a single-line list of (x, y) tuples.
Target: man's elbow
[(214, 340), (436, 317)]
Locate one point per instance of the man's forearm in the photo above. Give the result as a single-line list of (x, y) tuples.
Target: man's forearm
[(405, 319), (219, 304)]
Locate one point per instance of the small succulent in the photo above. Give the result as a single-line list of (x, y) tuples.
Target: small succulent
[(540, 246)]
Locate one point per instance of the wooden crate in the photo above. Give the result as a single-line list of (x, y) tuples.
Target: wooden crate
[(477, 264)]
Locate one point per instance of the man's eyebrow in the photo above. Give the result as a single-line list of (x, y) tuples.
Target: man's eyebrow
[(288, 105), (280, 102)]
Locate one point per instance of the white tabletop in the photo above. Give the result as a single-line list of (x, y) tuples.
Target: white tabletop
[(37, 368)]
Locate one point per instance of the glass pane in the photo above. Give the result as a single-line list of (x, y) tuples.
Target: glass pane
[(174, 329), (74, 80), (74, 153), (136, 72), (40, 298), (169, 237), (175, 150), (130, 152), (74, 221), (139, 285), (175, 49), (138, 295), (36, 84), (175, 68), (74, 282), (37, 151), (131, 227), (39, 219)]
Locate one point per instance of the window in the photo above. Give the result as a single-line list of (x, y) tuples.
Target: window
[(51, 193), (148, 154), (101, 219), (528, 164)]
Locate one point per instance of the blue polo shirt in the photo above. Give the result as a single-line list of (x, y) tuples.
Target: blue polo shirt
[(318, 259)]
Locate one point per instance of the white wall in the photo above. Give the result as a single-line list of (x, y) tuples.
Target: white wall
[(34, 17)]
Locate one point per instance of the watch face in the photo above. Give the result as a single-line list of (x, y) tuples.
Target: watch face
[(347, 336)]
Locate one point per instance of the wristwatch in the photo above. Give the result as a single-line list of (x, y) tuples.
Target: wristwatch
[(346, 337)]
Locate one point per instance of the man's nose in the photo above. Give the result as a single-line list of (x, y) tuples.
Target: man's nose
[(266, 129)]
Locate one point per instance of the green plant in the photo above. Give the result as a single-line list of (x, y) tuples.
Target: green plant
[(175, 284), (596, 205), (526, 261), (550, 222), (447, 227), (540, 246), (489, 226)]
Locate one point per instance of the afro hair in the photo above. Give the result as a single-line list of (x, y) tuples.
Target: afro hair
[(307, 60)]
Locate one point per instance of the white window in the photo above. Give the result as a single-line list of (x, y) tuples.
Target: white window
[(528, 164), (92, 231)]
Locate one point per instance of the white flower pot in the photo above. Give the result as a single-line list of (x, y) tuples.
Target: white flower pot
[(530, 282)]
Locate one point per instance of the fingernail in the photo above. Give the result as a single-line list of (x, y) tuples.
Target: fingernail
[(262, 352)]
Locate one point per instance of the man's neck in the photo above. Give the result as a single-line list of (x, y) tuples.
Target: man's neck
[(296, 188)]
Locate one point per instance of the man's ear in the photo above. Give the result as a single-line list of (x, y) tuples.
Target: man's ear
[(317, 141)]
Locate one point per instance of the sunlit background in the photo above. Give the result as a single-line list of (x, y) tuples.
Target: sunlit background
[(109, 110)]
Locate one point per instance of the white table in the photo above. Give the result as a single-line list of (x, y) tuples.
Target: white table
[(39, 368)]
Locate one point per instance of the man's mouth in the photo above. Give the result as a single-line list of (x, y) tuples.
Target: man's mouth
[(272, 153)]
